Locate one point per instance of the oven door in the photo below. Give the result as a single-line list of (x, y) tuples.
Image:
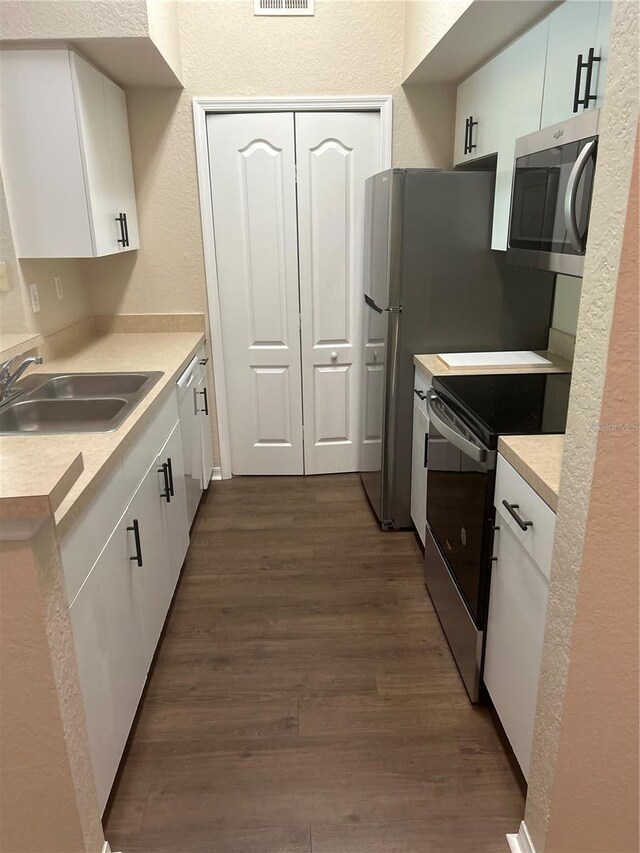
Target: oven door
[(460, 483), (551, 197)]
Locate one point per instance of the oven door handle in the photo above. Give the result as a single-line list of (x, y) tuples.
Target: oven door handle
[(570, 217), (478, 454)]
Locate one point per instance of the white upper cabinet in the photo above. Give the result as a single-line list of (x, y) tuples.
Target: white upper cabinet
[(66, 157), (533, 83), (518, 73), (576, 59)]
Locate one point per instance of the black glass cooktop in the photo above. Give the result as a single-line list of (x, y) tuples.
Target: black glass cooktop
[(508, 403)]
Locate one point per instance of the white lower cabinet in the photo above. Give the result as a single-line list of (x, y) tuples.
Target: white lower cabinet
[(121, 606), (518, 607), (107, 633)]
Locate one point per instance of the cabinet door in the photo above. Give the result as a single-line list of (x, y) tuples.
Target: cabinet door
[(518, 80), (420, 443), (476, 101), (175, 523), (155, 580), (109, 653), (96, 153), (203, 404), (123, 197), (573, 29), (515, 632)]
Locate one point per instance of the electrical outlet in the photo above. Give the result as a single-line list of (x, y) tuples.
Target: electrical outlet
[(58, 283), (35, 299), (4, 278)]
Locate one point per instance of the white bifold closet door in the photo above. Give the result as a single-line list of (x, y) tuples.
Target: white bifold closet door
[(253, 184), (336, 153), (289, 263)]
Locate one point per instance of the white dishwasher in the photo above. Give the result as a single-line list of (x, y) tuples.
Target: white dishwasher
[(191, 438)]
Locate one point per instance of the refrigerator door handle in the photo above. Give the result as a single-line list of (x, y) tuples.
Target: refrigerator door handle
[(372, 304)]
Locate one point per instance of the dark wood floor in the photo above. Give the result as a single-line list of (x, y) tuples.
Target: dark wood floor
[(304, 699)]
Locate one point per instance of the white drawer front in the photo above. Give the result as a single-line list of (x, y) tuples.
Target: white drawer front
[(85, 540), (142, 454), (538, 538)]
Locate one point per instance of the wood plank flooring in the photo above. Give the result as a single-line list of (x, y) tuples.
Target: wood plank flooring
[(304, 699)]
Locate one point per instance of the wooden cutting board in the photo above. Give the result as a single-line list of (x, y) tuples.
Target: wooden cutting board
[(480, 360)]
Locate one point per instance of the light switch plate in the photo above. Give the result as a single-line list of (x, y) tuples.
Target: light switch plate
[(4, 278), (58, 283), (35, 299)]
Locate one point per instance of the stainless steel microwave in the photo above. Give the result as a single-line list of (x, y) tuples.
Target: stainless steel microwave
[(551, 195)]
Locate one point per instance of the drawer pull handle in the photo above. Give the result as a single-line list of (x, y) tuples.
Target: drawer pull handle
[(511, 509), (170, 472), (136, 535), (420, 394), (164, 470)]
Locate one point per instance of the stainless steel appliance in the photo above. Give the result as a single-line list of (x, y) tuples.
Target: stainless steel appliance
[(432, 284), (467, 415), (551, 196)]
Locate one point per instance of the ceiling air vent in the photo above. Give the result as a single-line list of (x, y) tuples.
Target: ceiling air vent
[(283, 7)]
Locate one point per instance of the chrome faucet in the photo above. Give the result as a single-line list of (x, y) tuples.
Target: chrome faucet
[(8, 379)]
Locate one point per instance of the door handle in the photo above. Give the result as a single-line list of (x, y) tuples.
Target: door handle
[(126, 229), (511, 509), (204, 411), (570, 217), (588, 97), (426, 449), (164, 470), (136, 535), (466, 136), (120, 219), (170, 472), (472, 144)]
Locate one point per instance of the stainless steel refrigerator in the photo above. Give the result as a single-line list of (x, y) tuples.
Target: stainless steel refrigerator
[(432, 284)]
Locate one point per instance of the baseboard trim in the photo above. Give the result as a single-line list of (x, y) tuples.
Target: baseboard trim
[(216, 474), (521, 842)]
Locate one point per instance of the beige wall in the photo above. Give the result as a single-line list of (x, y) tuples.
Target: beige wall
[(566, 303), (609, 209), (15, 310), (347, 48), (595, 796), (426, 22)]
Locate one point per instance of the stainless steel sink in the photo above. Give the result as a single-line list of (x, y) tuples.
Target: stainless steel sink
[(71, 385), (48, 403), (52, 416)]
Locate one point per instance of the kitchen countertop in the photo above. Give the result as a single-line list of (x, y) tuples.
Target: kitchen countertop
[(538, 460), (434, 367), (48, 467)]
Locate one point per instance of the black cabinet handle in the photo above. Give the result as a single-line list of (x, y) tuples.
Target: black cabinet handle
[(170, 472), (164, 470), (136, 535), (204, 361), (466, 136), (126, 229), (511, 509), (588, 97), (472, 144), (420, 394), (426, 448), (206, 400), (120, 220)]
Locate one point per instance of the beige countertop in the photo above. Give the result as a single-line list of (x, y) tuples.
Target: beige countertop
[(434, 367), (46, 467), (538, 459)]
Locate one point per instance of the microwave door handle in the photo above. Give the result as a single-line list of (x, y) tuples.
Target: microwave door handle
[(570, 217), (478, 454)]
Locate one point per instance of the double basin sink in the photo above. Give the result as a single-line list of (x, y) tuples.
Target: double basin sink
[(49, 403)]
